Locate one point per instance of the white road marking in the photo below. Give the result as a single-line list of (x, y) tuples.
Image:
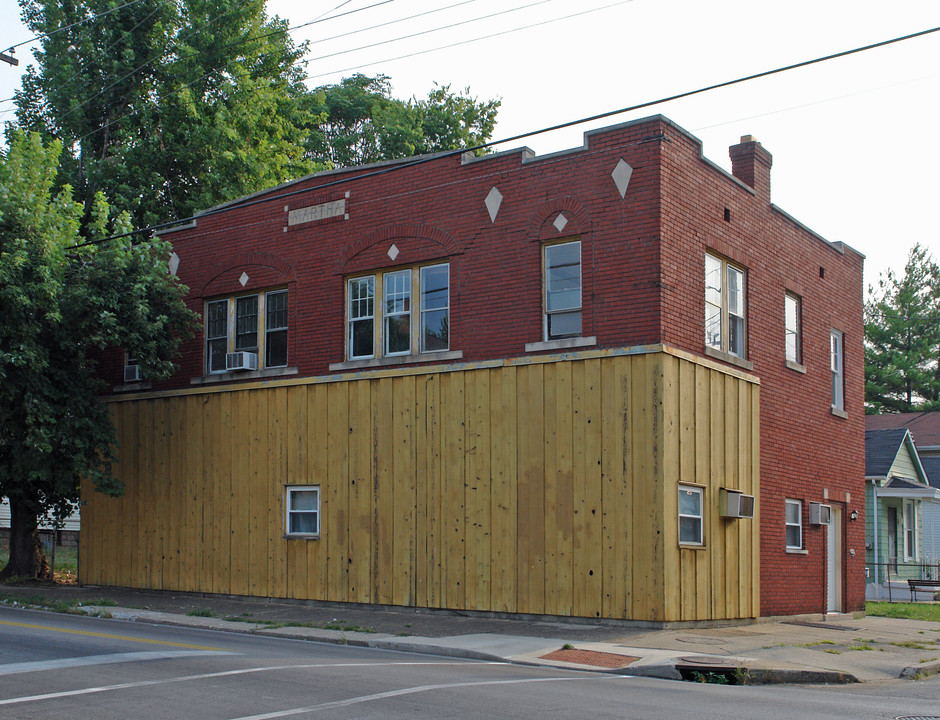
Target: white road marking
[(419, 689), (206, 676), (40, 665)]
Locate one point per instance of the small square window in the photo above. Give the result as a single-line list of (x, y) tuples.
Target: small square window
[(303, 510), (690, 515), (794, 524)]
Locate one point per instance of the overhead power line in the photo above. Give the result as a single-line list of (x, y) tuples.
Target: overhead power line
[(92, 18), (514, 138)]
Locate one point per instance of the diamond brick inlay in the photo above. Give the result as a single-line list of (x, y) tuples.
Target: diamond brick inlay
[(494, 198), (560, 222), (243, 279), (393, 252), (621, 176)]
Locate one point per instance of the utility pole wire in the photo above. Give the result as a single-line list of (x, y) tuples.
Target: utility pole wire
[(450, 153)]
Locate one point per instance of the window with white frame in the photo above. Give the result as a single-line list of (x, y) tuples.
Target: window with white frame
[(837, 361), (909, 518), (388, 328), (690, 515), (253, 323), (725, 306), (792, 334), (794, 524), (303, 511), (562, 290)]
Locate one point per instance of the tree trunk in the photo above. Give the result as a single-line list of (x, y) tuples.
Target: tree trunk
[(27, 560)]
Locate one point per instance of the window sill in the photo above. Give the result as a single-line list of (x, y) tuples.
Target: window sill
[(796, 367), (728, 358), (443, 356), (243, 375), (839, 413), (690, 546), (565, 344), (132, 387), (298, 536), (797, 551)]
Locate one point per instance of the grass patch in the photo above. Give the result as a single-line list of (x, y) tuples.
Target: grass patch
[(908, 611), (911, 644), (65, 571), (862, 645), (834, 652), (817, 642), (201, 612), (927, 660)]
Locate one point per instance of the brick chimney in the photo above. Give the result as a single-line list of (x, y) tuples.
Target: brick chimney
[(750, 163)]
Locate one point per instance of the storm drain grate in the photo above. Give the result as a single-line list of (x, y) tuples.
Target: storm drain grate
[(590, 657)]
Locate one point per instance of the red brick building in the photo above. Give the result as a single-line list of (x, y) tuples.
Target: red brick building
[(632, 246)]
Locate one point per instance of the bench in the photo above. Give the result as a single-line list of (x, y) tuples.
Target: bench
[(922, 586)]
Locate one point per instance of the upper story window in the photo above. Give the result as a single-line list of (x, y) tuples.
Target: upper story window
[(254, 325), (725, 306), (389, 328), (794, 524), (792, 328), (562, 290), (837, 360)]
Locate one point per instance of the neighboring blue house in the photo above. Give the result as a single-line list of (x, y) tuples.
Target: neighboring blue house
[(897, 487)]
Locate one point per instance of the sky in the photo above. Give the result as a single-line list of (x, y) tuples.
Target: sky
[(855, 140)]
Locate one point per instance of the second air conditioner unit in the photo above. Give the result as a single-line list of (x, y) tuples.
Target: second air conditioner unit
[(735, 504)]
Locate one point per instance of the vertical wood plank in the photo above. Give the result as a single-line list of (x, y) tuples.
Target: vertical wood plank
[(336, 521), (503, 538)]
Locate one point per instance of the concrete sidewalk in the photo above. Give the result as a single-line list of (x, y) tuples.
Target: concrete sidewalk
[(808, 649)]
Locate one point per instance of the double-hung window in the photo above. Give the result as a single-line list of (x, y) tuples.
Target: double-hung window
[(794, 524), (389, 328), (562, 290), (725, 306), (303, 511), (910, 547), (837, 360), (690, 515), (792, 335), (253, 323)]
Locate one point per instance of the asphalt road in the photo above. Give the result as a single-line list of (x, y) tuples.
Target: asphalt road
[(62, 666)]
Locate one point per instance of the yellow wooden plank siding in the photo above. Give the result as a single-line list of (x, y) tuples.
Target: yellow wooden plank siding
[(547, 487)]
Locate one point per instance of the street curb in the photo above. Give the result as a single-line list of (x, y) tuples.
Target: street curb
[(915, 672)]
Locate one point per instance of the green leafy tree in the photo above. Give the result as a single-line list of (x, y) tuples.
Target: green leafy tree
[(360, 122), (60, 305), (167, 107), (902, 338)]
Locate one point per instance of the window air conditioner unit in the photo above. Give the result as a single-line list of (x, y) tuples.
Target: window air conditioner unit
[(735, 504), (132, 374), (820, 514), (241, 361)]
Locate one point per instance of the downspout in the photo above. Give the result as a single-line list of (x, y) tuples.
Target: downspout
[(874, 520)]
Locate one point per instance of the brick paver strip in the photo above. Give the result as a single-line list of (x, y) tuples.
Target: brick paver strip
[(590, 657)]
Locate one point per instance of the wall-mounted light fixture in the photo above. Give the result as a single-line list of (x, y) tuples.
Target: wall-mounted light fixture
[(853, 515)]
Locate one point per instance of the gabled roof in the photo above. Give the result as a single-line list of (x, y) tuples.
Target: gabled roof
[(881, 449), (924, 426)]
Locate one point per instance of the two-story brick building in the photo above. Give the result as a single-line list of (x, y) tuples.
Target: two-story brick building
[(555, 385)]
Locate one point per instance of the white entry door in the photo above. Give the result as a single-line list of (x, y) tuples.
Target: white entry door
[(834, 562)]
